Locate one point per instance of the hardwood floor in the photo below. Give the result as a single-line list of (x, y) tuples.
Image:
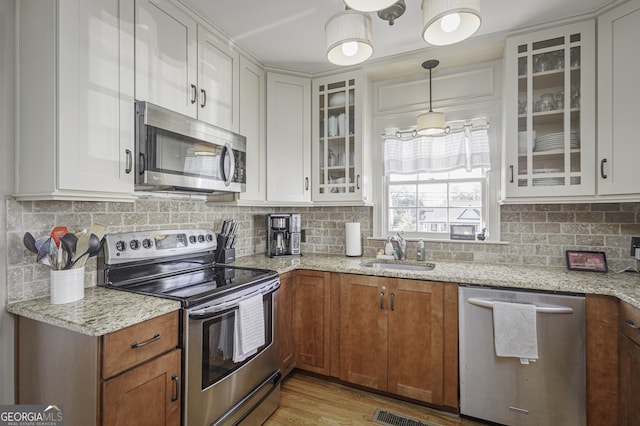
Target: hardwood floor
[(308, 400)]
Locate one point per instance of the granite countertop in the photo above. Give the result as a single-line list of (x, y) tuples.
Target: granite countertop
[(105, 310), (100, 312), (624, 285)]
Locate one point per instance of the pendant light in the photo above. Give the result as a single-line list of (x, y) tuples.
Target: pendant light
[(449, 21), (431, 123), (348, 37), (369, 5)]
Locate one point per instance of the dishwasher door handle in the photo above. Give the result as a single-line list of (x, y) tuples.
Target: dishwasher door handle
[(488, 303)]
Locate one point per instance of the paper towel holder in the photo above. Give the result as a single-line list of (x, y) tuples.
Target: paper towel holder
[(353, 239)]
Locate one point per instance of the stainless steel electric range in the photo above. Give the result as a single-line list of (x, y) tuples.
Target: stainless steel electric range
[(222, 384)]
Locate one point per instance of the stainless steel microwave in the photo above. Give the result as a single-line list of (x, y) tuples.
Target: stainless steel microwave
[(175, 152)]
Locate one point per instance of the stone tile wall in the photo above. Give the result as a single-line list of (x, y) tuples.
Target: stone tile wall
[(534, 234)]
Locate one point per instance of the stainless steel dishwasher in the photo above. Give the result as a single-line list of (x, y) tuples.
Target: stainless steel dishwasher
[(549, 391)]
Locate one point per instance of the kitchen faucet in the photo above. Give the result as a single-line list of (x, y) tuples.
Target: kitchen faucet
[(401, 245)]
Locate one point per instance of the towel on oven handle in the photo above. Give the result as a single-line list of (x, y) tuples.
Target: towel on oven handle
[(249, 328), (515, 332)]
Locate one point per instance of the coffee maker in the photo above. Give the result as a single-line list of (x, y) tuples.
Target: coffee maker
[(283, 234)]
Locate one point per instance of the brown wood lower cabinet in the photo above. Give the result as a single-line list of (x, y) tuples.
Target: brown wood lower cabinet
[(392, 336), (146, 395), (286, 324), (629, 347)]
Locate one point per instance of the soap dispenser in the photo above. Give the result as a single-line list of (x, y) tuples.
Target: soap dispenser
[(420, 254), (388, 248)]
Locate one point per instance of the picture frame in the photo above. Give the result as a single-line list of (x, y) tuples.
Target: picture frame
[(462, 232), (591, 261)]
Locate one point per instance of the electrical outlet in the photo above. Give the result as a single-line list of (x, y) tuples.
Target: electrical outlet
[(635, 243)]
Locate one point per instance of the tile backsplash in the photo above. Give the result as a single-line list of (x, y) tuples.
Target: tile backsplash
[(532, 234)]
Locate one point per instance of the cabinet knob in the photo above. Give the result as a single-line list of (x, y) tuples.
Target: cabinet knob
[(155, 338), (631, 324), (511, 179), (382, 300), (204, 98), (176, 393), (393, 299), (358, 182), (129, 166)]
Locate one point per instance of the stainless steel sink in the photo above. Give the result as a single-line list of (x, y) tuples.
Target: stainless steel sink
[(399, 266)]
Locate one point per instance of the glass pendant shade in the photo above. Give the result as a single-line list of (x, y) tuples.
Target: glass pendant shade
[(431, 123), (349, 38), (369, 5), (449, 21)]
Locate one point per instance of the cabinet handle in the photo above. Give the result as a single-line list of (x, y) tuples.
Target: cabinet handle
[(204, 98), (306, 184), (176, 394), (358, 182), (393, 298), (511, 179), (631, 324), (155, 338), (194, 93), (142, 164), (382, 300), (129, 167), (604, 160)]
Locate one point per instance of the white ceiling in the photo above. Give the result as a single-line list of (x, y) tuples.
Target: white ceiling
[(289, 34)]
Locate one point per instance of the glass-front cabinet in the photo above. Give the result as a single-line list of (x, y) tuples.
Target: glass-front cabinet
[(337, 138), (550, 113)]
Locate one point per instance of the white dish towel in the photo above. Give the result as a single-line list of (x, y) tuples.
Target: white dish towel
[(514, 330), (249, 328)]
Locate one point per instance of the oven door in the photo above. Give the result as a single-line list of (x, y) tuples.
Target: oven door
[(221, 387)]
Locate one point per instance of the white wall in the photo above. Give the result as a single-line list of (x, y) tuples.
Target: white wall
[(7, 127)]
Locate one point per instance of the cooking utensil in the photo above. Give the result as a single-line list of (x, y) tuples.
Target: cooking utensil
[(68, 243), (93, 247), (57, 233), (30, 242)]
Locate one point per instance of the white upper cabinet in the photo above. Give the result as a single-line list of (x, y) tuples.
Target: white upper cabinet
[(183, 66), (166, 56), (550, 114), (618, 100), (339, 167), (218, 81), (288, 139), (76, 117)]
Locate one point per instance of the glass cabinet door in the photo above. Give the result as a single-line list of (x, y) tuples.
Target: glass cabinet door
[(336, 147), (552, 156)]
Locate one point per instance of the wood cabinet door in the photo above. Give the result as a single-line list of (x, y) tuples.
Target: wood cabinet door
[(311, 316), (629, 408), (286, 321), (364, 303), (147, 395), (416, 340)]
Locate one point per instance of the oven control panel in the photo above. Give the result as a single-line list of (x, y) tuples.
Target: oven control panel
[(131, 246)]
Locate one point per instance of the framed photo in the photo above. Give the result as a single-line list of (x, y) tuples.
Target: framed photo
[(593, 261)]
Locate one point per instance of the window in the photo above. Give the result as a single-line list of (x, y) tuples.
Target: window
[(428, 203), (432, 183)]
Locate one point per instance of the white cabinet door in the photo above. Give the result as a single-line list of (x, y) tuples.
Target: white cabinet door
[(218, 81), (550, 114), (288, 139), (76, 90), (166, 61), (618, 99), (252, 126)]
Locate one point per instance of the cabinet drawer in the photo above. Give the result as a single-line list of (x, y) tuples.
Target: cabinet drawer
[(133, 345), (630, 321)]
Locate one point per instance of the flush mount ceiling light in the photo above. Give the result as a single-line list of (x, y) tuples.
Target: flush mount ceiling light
[(449, 21), (349, 39), (369, 5), (431, 123)]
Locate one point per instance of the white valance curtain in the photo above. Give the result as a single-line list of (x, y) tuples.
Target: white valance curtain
[(465, 146)]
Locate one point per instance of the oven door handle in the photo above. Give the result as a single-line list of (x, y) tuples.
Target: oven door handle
[(212, 310)]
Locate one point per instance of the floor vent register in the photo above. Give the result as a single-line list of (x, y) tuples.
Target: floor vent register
[(388, 418)]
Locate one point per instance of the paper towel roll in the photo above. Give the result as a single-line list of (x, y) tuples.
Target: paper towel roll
[(353, 241)]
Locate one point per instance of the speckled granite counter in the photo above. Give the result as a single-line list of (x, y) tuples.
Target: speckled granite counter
[(625, 286), (102, 310)]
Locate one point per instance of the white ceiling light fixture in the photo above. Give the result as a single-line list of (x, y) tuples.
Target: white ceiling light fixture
[(431, 123), (449, 21), (369, 5), (349, 38)]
